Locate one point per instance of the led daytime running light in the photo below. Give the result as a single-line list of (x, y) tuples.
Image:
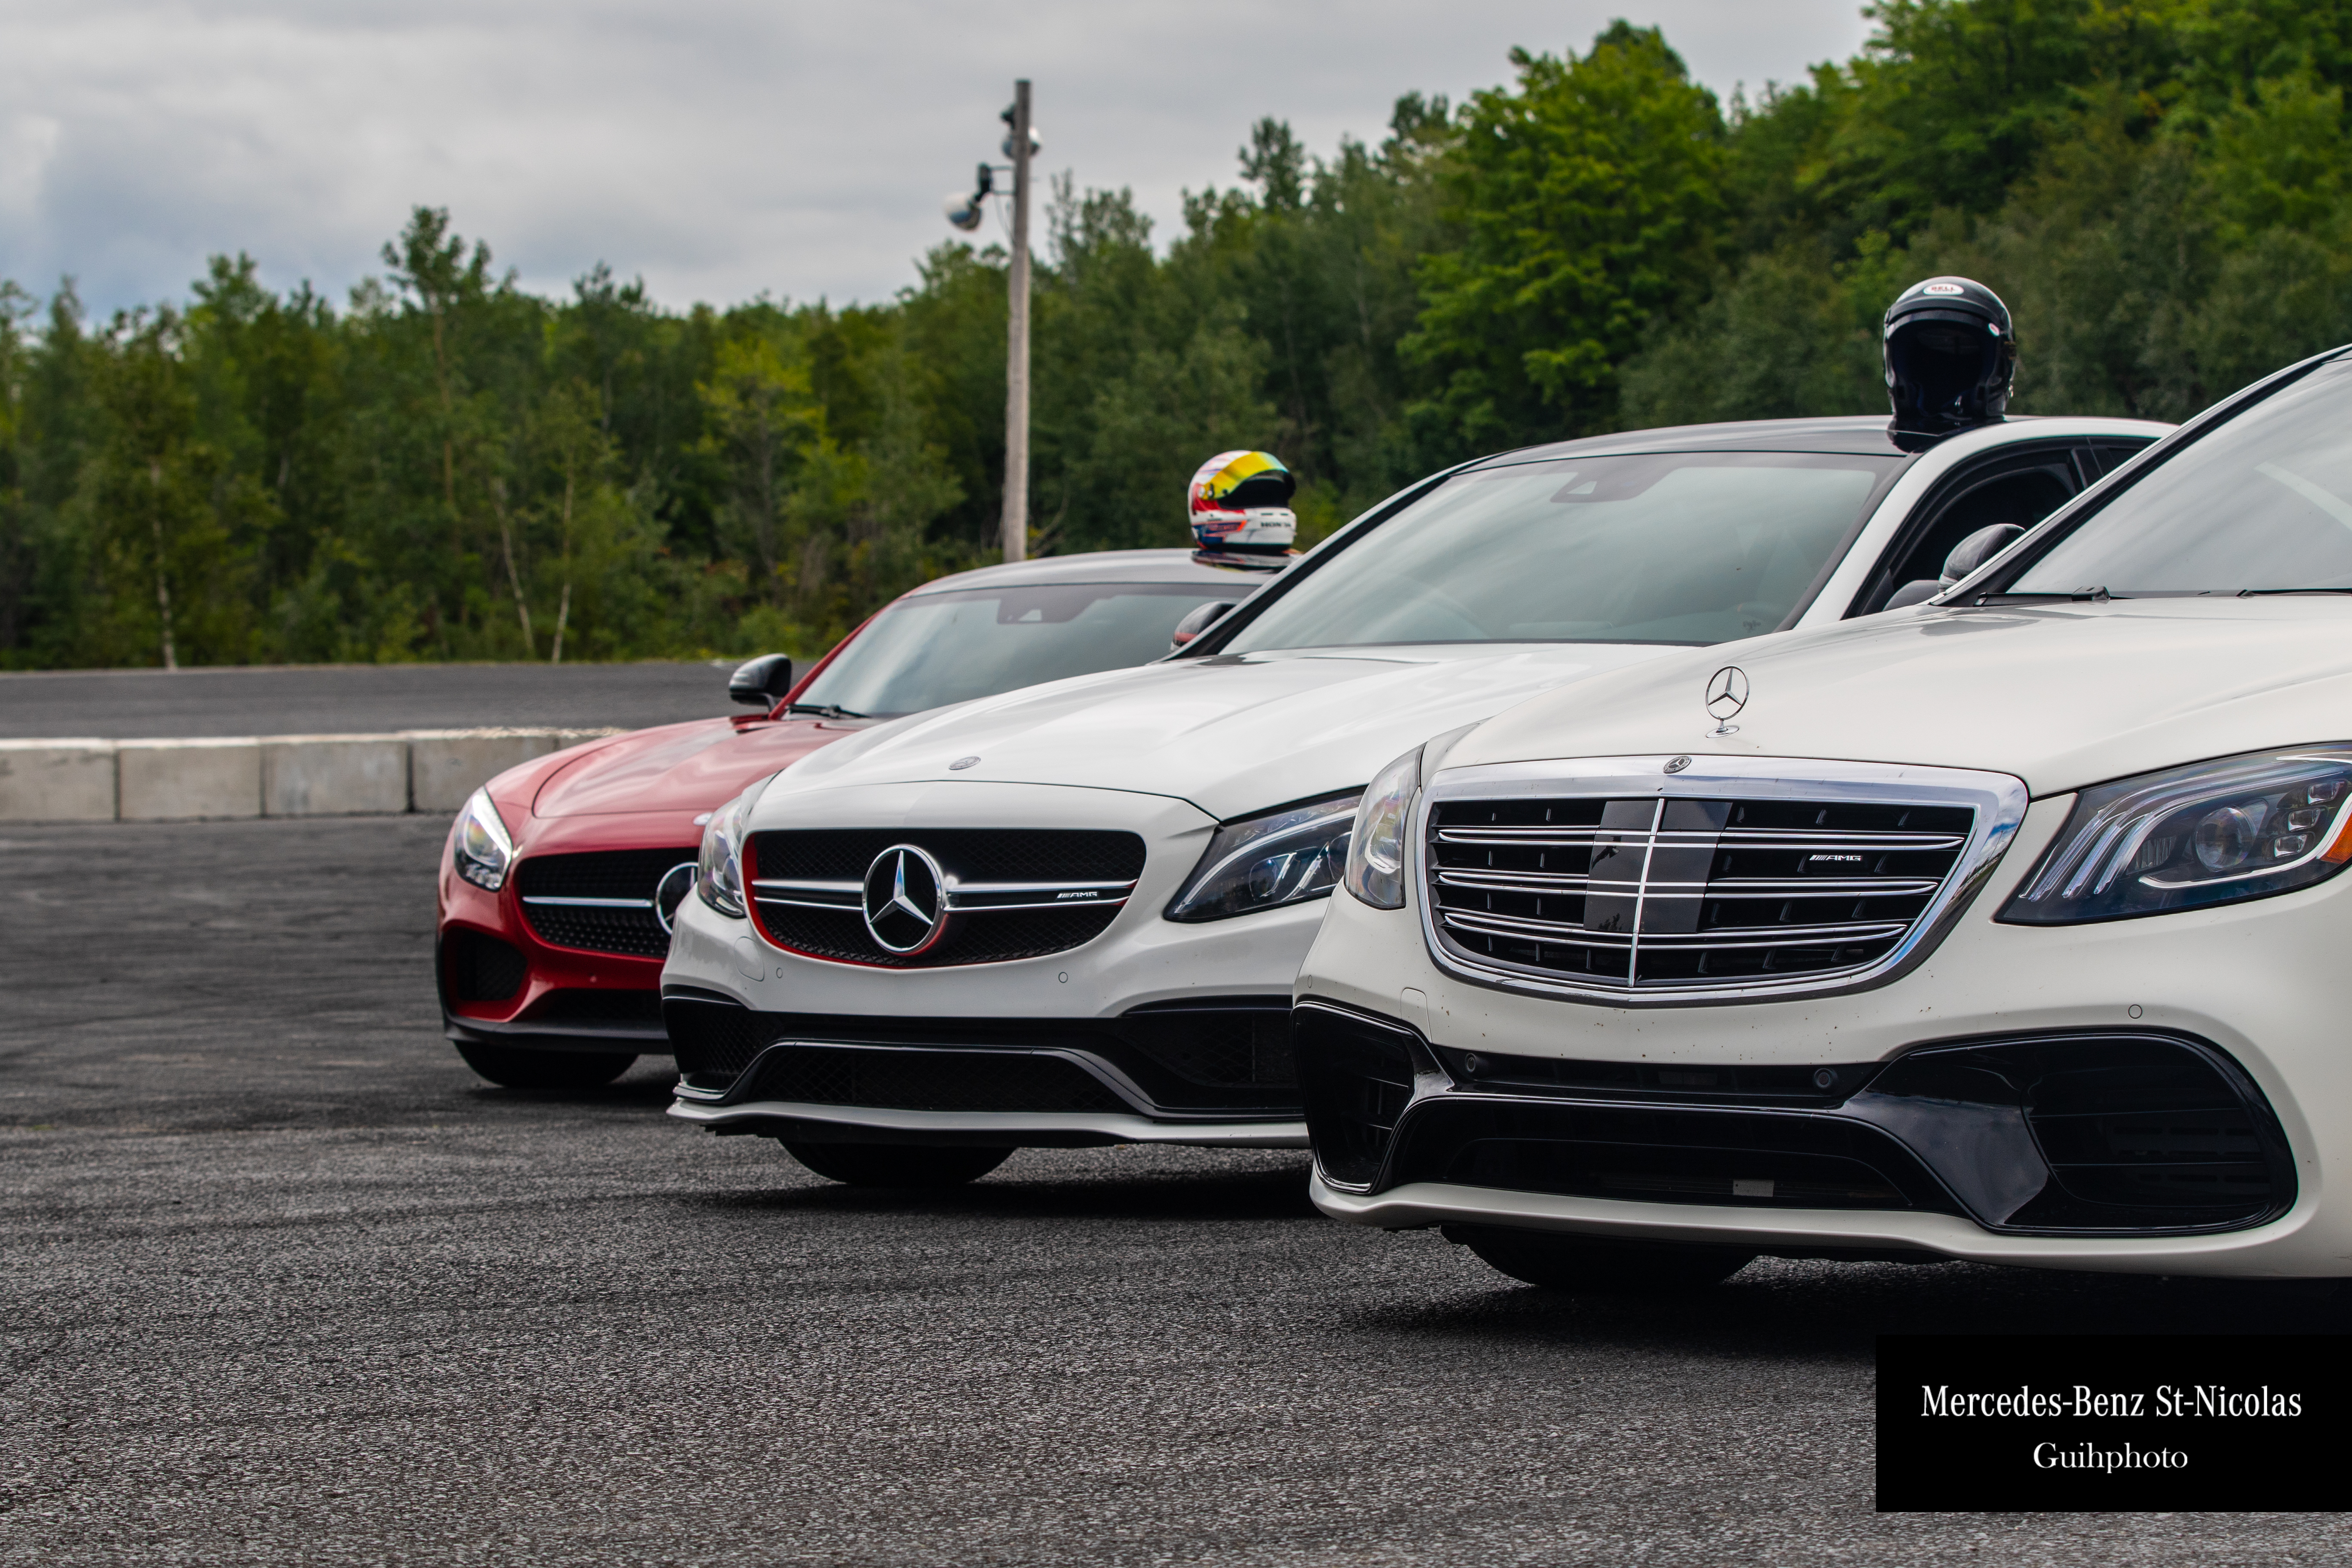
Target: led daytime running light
[(2213, 832), (484, 849), (1375, 850), (1285, 856)]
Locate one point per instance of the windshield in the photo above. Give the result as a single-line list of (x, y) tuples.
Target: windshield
[(1676, 547), (936, 648), (2264, 503)]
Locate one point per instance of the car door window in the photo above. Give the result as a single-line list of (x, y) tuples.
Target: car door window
[(2019, 488), (2106, 456)]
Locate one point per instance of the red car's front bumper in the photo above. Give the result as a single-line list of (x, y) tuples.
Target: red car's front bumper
[(558, 959)]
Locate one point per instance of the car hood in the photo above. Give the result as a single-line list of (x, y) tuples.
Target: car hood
[(2059, 696), (1232, 735), (681, 767)]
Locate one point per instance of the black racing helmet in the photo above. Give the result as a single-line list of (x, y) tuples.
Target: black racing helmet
[(1951, 358)]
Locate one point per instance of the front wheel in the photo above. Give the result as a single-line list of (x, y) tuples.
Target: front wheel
[(898, 1164), (545, 1069), (1599, 1267)]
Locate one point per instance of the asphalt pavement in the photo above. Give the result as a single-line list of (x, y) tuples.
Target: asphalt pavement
[(281, 1282), (353, 698)]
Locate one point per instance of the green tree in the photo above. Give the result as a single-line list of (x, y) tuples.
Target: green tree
[(1591, 202)]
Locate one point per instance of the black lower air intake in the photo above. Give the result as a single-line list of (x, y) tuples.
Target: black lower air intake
[(1356, 1076)]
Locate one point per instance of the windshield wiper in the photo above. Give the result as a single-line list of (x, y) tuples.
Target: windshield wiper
[(2093, 595), (2260, 592), (823, 710)]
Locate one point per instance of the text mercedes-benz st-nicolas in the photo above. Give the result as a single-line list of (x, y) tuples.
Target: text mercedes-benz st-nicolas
[(1073, 914), (2003, 929)]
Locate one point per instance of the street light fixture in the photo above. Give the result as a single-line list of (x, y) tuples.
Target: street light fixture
[(1020, 144)]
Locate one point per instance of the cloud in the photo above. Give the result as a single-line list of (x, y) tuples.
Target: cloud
[(719, 148)]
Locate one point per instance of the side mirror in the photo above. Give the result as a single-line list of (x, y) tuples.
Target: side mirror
[(761, 682), (1202, 618), (1918, 593), (1979, 548), (1966, 556)]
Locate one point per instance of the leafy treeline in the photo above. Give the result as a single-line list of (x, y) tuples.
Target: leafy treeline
[(445, 466)]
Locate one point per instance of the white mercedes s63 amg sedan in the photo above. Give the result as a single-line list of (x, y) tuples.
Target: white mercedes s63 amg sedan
[(1073, 914), (2004, 928)]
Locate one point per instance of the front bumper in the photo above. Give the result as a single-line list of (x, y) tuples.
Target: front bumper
[(502, 983), (2249, 985), (1087, 1045)]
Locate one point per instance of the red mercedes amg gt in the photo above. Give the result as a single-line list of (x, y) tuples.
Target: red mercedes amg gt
[(559, 877)]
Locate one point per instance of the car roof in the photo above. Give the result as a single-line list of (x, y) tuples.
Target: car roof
[(1858, 435), (1176, 566)]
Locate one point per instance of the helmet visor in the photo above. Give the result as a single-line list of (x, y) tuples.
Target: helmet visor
[(1941, 360)]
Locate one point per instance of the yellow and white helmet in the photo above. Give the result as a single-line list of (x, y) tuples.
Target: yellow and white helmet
[(1238, 505)]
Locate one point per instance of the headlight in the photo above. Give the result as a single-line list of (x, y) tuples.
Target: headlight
[(1286, 857), (485, 849), (719, 871), (2212, 833), (1375, 850)]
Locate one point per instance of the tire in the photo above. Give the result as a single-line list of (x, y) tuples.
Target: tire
[(1601, 1267), (901, 1165), (545, 1069)]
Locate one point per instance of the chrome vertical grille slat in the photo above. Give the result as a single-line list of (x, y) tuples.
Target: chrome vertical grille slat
[(1707, 882)]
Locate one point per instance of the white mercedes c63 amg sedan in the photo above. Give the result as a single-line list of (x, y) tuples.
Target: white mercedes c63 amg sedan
[(2002, 929), (1073, 914)]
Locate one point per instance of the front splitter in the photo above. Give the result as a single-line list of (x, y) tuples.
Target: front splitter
[(2262, 1252), (1021, 1129)]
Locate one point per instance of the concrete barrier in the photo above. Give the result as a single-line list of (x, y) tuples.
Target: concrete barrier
[(334, 775), (171, 780), (76, 780), (445, 766), (57, 781)]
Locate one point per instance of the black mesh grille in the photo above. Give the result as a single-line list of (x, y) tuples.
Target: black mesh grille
[(634, 933), (1661, 1155), (931, 1081), (717, 1039), (982, 938), (1683, 892), (968, 855), (1222, 1050), (611, 874), (476, 967)]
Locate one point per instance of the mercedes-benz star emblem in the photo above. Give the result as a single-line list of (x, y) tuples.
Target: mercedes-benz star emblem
[(906, 899), (672, 889), (1727, 694)]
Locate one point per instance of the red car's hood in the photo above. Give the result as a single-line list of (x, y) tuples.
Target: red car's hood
[(681, 767)]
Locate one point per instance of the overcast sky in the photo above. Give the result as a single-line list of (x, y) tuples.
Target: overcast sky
[(719, 148)]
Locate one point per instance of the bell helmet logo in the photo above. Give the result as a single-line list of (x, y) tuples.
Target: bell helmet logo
[(905, 901), (1726, 693), (1939, 289)]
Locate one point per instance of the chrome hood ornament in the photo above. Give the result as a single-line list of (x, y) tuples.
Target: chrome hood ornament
[(1727, 694)]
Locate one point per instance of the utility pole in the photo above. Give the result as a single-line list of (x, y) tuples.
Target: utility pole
[(1016, 338), (966, 213)]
